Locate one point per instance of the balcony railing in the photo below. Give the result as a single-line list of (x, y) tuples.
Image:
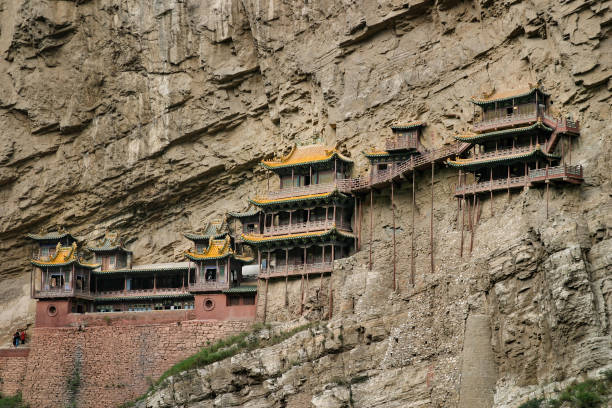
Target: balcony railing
[(505, 121), (556, 172), (573, 174), (296, 228), (61, 293), (298, 191), (401, 142), (502, 152), (292, 270), (208, 285), (140, 292)]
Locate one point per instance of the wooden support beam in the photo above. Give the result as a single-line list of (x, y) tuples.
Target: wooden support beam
[(473, 226), (462, 224), (371, 221), (286, 276), (302, 285), (266, 301), (360, 221), (331, 293), (393, 216), (412, 264), (431, 241)]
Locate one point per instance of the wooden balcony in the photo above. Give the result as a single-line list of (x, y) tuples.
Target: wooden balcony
[(417, 161), (402, 142), (297, 270), (505, 121), (141, 292), (570, 174), (298, 191), (61, 293), (208, 286), (502, 153), (301, 227)]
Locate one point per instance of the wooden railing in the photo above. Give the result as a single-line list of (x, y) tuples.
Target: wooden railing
[(574, 173), (140, 292), (416, 161), (556, 172), (502, 152), (504, 121), (402, 142), (292, 270), (61, 292), (305, 227), (298, 191), (208, 285)]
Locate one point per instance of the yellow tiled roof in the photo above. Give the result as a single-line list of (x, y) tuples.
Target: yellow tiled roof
[(281, 200), (63, 256), (217, 248), (306, 154), (504, 95)]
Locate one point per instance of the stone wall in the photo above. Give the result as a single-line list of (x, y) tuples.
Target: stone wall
[(113, 363), (13, 364)]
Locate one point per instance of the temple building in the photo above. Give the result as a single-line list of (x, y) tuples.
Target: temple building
[(303, 226), (210, 282), (516, 143)]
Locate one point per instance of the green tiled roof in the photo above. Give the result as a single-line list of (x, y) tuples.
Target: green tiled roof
[(107, 246), (241, 289), (212, 230), (508, 96), (144, 297), (408, 126), (496, 161), (245, 214), (481, 137), (321, 236), (50, 236)]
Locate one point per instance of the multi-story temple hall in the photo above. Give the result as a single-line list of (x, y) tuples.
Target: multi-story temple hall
[(305, 224), (516, 143), (209, 282)]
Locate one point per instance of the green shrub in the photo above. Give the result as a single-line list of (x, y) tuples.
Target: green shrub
[(12, 402), (532, 403)]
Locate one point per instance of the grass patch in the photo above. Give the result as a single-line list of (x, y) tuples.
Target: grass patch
[(591, 393), (221, 350), (12, 402)]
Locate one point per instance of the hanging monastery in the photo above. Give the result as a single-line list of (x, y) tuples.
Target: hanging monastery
[(315, 216)]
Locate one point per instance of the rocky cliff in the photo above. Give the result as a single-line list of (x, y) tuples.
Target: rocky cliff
[(148, 117)]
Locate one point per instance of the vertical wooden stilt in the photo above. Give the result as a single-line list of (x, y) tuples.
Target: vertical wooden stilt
[(302, 285), (331, 293), (371, 214), (508, 183), (412, 273), (322, 261), (393, 216), (360, 220), (356, 245), (462, 224), (547, 183), (472, 224), (266, 301), (431, 242), (491, 191), (286, 276)]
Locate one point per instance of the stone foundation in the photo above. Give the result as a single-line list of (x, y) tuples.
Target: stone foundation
[(107, 362), (13, 364)]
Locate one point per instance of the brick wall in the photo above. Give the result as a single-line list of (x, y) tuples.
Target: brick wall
[(13, 364), (116, 362)]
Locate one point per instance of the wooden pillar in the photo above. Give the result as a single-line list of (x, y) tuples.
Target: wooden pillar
[(412, 264), (125, 283), (268, 265), (154, 282), (334, 213), (431, 241), (371, 213), (547, 193), (335, 169), (266, 301), (330, 297), (570, 150), (562, 149), (302, 284), (508, 183), (360, 221), (322, 269), (292, 177), (491, 190), (286, 276), (393, 216), (462, 224), (473, 223), (258, 261), (356, 240)]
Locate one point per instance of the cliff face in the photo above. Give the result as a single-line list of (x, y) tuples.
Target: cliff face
[(149, 117)]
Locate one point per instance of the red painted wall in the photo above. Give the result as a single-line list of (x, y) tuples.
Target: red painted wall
[(220, 310)]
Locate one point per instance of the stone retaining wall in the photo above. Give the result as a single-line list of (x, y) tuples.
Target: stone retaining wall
[(106, 365), (12, 369)]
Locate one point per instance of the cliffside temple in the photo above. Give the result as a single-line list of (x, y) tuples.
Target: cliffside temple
[(357, 204)]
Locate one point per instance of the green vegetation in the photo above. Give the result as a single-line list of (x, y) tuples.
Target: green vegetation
[(223, 349), (586, 394), (12, 402)]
